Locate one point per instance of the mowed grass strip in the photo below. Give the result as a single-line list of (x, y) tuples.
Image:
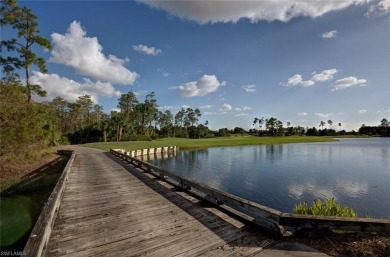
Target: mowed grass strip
[(186, 143)]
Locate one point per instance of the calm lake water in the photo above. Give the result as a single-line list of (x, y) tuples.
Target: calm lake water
[(356, 172)]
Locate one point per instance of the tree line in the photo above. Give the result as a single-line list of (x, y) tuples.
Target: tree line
[(274, 127), (84, 121)]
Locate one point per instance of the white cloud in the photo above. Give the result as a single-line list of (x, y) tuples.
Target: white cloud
[(324, 75), (296, 80), (307, 83), (147, 50), (186, 106), (379, 9), (243, 109), (348, 82), (302, 114), (323, 115), (362, 111), (241, 114), (117, 60), (225, 107), (70, 89), (208, 106), (233, 11), (210, 113), (85, 55), (205, 85), (329, 34), (249, 88), (169, 107)]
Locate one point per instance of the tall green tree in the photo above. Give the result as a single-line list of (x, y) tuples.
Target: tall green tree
[(105, 127), (274, 126), (191, 117), (20, 47), (86, 104), (165, 121), (146, 112), (23, 127), (60, 106), (117, 123), (260, 122), (75, 117), (385, 123), (126, 104), (97, 114), (179, 121), (179, 118)]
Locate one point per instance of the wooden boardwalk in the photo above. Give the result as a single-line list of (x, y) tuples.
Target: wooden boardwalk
[(110, 208)]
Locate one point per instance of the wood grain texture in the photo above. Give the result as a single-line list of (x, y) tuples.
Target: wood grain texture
[(111, 208)]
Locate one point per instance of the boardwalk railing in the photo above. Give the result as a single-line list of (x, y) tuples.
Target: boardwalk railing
[(150, 151), (40, 234), (263, 216)]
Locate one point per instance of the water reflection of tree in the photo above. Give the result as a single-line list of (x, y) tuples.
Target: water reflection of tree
[(273, 152)]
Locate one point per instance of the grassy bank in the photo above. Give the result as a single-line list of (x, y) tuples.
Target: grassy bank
[(185, 143)]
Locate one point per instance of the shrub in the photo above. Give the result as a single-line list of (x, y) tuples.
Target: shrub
[(328, 207)]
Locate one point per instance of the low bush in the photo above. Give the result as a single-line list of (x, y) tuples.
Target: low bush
[(328, 207)]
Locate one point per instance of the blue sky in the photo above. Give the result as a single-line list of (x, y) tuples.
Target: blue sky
[(235, 60)]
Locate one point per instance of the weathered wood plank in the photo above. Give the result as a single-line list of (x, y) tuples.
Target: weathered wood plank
[(335, 223)]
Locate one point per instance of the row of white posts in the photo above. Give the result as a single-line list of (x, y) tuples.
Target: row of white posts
[(149, 151)]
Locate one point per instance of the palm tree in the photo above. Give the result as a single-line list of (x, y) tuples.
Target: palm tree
[(322, 124), (330, 122)]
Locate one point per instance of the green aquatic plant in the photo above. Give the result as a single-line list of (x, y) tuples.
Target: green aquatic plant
[(328, 207)]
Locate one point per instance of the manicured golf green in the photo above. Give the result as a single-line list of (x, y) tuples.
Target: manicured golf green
[(185, 143)]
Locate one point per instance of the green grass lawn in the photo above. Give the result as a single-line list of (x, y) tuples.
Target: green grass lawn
[(185, 143)]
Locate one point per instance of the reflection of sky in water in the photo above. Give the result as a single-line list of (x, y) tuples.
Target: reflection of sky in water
[(356, 172), (297, 191)]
